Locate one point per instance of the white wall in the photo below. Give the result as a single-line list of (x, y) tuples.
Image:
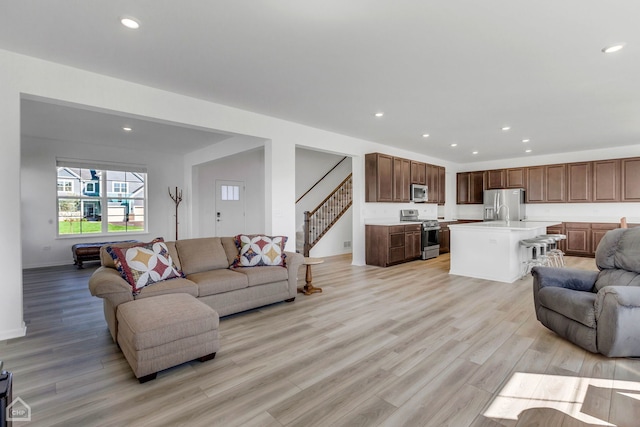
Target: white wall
[(40, 244), (311, 165), (247, 167)]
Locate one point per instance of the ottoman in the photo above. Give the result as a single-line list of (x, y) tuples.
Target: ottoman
[(159, 332)]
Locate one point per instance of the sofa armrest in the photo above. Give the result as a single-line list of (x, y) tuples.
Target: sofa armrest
[(569, 278), (293, 263), (617, 318), (107, 283)]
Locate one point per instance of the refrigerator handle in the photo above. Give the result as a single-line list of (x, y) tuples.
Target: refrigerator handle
[(496, 200)]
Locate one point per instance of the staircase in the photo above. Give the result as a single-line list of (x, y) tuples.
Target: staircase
[(318, 221)]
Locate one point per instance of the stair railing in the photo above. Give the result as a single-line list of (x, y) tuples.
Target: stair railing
[(318, 221)]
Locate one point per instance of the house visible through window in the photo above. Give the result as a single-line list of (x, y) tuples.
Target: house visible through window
[(100, 201)]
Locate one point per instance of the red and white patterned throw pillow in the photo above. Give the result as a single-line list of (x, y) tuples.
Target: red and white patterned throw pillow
[(259, 250), (144, 264)]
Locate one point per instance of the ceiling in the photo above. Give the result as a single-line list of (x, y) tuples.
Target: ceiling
[(458, 71), (74, 124)]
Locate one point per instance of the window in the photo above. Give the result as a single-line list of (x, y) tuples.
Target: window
[(230, 192), (65, 186), (119, 187), (84, 207)]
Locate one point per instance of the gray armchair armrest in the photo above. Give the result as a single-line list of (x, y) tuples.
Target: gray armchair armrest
[(569, 278), (618, 316)]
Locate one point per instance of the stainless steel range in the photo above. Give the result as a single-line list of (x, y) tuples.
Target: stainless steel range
[(430, 235)]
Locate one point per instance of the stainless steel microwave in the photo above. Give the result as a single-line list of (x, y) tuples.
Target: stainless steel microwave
[(419, 193)]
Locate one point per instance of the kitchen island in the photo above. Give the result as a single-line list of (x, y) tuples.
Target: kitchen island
[(491, 250)]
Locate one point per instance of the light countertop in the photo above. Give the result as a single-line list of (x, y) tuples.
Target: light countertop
[(502, 225), (392, 222)]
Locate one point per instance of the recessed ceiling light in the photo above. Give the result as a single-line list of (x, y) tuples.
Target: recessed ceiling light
[(527, 150), (506, 128), (380, 114), (130, 23), (454, 145), (127, 129), (475, 152), (425, 135), (612, 48), (526, 140)]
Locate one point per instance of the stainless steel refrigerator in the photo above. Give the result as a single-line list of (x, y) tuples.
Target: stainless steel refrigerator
[(504, 204)]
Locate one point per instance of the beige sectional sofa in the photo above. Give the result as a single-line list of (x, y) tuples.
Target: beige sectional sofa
[(206, 264)]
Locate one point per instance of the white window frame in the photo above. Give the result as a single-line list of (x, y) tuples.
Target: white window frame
[(64, 182), (104, 199), (122, 184)]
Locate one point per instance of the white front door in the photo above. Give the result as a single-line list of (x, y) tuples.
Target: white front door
[(230, 207)]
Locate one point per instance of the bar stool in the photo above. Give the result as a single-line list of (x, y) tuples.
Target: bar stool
[(556, 256), (534, 257)]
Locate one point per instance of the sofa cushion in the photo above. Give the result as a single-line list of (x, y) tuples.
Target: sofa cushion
[(575, 305), (262, 275), (144, 264), (258, 250), (173, 286), (218, 281), (204, 254), (229, 245)]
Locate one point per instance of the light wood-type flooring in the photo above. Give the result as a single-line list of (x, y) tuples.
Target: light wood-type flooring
[(408, 345)]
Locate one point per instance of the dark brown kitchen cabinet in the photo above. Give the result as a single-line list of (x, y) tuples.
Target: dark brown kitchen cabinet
[(558, 229), (392, 244), (401, 179), (441, 185), (412, 242), (546, 184), (469, 187), (535, 185), (384, 245), (579, 182), (418, 173), (444, 236), (555, 176), (495, 179), (515, 178), (606, 180), (578, 238), (378, 178), (630, 169), (433, 182), (598, 230)]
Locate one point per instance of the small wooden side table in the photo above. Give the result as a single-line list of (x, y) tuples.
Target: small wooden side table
[(308, 288)]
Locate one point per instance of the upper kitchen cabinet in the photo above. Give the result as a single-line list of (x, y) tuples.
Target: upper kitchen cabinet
[(515, 178), (378, 177), (505, 178), (546, 184), (630, 169), (606, 180), (389, 178), (579, 182), (418, 173), (441, 185), (495, 179), (401, 180), (535, 185), (469, 187)]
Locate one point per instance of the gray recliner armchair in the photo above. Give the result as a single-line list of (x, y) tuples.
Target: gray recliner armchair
[(596, 310)]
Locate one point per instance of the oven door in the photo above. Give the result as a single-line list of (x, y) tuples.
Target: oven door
[(430, 242)]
